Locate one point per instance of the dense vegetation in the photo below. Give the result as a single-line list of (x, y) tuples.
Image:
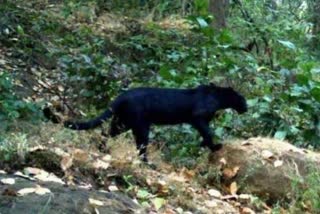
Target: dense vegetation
[(78, 55)]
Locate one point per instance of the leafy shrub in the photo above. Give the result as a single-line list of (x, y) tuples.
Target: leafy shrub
[(306, 197), (13, 146), (280, 80), (11, 106)]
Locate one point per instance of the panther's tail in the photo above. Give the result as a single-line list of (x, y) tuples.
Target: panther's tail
[(89, 124)]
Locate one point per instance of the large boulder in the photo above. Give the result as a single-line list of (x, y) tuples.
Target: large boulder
[(264, 167), (28, 196)]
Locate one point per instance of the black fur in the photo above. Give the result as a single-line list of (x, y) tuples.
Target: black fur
[(137, 109)]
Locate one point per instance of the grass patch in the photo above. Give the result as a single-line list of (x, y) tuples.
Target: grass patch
[(306, 192)]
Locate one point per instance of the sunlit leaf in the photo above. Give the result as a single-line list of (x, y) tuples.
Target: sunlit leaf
[(158, 203), (287, 44), (203, 23), (95, 202), (252, 102), (280, 135), (214, 193), (26, 191), (233, 188), (143, 194), (20, 30)]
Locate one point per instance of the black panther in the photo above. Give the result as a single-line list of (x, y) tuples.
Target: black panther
[(137, 109)]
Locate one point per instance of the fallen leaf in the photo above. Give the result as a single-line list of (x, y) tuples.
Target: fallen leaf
[(233, 188), (158, 203), (230, 173), (95, 202), (8, 181), (66, 162), (85, 186), (41, 190), (162, 187), (223, 161), (227, 173), (80, 155), (214, 193), (26, 191), (60, 88), (106, 158), (99, 164), (49, 177), (189, 174), (211, 203), (176, 177), (235, 170), (278, 163), (143, 194), (244, 198), (149, 181), (113, 188), (266, 154), (60, 152)]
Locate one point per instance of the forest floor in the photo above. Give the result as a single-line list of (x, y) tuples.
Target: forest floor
[(50, 175)]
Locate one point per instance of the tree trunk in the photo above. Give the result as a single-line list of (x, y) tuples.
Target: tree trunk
[(219, 8), (316, 22), (314, 8)]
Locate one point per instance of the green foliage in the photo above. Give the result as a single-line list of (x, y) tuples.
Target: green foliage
[(279, 76), (20, 29), (182, 144), (287, 110), (89, 73), (306, 196), (157, 9), (11, 106), (13, 146)]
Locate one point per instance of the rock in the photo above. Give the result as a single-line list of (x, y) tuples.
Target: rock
[(267, 167), (57, 198)]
